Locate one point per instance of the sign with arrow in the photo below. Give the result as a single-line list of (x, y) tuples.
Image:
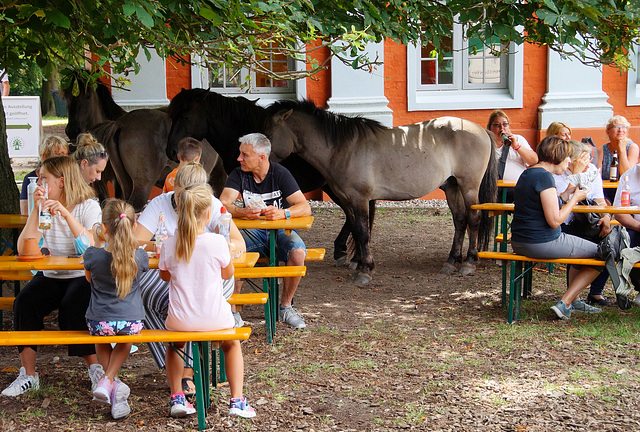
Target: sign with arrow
[(24, 125)]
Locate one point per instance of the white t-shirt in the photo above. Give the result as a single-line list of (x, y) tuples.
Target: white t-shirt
[(3, 77), (61, 241), (162, 203), (633, 176), (196, 302), (514, 165), (596, 191)]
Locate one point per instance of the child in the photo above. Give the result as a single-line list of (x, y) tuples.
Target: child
[(189, 150), (115, 307), (195, 262)]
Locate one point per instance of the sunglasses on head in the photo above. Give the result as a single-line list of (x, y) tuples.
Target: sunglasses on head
[(101, 155)]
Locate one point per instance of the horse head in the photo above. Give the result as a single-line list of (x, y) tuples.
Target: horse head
[(283, 140), (188, 119), (89, 103)]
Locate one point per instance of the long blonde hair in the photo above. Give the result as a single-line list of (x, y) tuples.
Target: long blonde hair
[(118, 216), (193, 203), (76, 190)]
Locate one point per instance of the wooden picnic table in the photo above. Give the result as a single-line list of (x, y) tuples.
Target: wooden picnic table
[(606, 184), (495, 209), (273, 226)]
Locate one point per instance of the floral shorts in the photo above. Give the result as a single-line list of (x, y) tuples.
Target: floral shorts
[(112, 328)]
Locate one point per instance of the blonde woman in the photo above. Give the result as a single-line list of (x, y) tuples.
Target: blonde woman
[(51, 146), (74, 212), (560, 130), (91, 157), (116, 304)]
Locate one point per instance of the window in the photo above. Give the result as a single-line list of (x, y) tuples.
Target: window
[(468, 75), (633, 79), (242, 81)]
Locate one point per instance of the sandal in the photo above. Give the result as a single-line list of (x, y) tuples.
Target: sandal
[(188, 387)]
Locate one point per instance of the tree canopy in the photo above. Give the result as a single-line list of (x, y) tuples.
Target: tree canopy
[(108, 35)]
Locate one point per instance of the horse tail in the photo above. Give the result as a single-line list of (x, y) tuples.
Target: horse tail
[(488, 193)]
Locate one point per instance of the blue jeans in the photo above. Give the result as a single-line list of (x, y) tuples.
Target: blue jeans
[(257, 240)]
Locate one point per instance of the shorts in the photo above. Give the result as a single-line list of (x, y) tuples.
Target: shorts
[(257, 240), (113, 328)]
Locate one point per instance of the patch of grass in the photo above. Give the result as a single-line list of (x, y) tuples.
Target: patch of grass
[(362, 364), (415, 413)]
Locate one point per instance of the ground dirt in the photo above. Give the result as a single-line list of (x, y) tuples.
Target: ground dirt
[(412, 350)]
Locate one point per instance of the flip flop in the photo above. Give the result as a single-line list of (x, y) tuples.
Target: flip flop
[(188, 387)]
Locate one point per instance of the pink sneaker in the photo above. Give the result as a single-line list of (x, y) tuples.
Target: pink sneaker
[(102, 393), (241, 407), (119, 403)]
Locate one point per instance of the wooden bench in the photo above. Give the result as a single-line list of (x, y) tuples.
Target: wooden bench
[(203, 342), (519, 276)]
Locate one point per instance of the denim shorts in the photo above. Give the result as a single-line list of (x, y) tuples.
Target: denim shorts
[(113, 328), (257, 240)]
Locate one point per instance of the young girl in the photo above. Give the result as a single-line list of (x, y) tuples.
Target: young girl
[(115, 307), (195, 262)]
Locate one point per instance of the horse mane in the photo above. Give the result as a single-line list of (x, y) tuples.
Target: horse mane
[(219, 106), (109, 107), (339, 128)]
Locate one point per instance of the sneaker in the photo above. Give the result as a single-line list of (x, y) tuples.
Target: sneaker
[(241, 407), (102, 393), (180, 406), (119, 395), (22, 384), (636, 300), (561, 310), (238, 319), (95, 373), (290, 316), (580, 306)]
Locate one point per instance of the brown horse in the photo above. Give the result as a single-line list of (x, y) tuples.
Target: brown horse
[(135, 141), (362, 160)]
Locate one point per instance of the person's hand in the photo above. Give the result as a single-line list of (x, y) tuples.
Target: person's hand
[(55, 208), (581, 164), (38, 196), (273, 213), (252, 213), (605, 225), (581, 194)]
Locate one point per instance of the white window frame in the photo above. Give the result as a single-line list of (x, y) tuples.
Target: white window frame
[(464, 96), (200, 79), (633, 78)]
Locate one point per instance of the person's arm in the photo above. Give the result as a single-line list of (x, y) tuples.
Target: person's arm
[(627, 160), (524, 150), (227, 272), (165, 275), (87, 275), (228, 197), (628, 221), (142, 233), (6, 88), (30, 229), (236, 239), (299, 207), (77, 229), (553, 214), (24, 207)]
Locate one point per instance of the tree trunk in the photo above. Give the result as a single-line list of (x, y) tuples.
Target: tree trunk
[(9, 194)]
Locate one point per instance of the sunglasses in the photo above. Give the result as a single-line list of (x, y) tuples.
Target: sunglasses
[(101, 155), (620, 127)]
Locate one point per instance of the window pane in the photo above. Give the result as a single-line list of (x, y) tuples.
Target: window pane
[(484, 67), (445, 72)]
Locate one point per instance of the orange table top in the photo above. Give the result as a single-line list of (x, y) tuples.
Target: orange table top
[(304, 222), (13, 221)]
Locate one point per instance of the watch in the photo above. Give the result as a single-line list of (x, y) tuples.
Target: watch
[(287, 213)]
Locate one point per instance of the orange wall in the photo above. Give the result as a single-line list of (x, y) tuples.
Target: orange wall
[(319, 85), (178, 77)]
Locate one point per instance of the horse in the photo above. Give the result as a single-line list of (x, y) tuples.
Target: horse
[(135, 142), (200, 114), (362, 160)]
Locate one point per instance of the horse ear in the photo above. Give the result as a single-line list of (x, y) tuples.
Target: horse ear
[(286, 115), (204, 142)]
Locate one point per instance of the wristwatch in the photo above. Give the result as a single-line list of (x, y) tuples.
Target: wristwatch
[(287, 213)]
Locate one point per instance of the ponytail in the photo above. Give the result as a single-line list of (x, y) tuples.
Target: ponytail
[(193, 203), (119, 217)]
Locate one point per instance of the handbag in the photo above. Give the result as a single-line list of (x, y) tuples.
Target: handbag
[(585, 225)]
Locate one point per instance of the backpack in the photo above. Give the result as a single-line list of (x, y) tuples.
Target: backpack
[(609, 250)]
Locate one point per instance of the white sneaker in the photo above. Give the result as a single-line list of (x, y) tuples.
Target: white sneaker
[(119, 395), (95, 373), (238, 319), (22, 384), (291, 316)]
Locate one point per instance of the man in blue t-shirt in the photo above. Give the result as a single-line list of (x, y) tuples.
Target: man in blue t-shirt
[(268, 189)]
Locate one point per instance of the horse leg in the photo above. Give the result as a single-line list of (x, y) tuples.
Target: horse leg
[(459, 215), (360, 233), (473, 221), (340, 250)]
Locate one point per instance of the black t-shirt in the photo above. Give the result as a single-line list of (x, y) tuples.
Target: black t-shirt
[(529, 224), (274, 189)]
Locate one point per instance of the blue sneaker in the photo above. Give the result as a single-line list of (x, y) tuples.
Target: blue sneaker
[(580, 306), (561, 310), (180, 406), (241, 407)]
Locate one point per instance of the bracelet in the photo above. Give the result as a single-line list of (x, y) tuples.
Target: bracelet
[(516, 148)]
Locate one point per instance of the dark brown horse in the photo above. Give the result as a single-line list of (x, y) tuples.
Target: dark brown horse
[(222, 120), (135, 142), (363, 161)]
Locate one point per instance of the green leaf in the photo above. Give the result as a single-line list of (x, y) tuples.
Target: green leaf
[(58, 19)]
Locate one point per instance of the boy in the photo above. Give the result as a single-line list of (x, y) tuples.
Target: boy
[(189, 150)]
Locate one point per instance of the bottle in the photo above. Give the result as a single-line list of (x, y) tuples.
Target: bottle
[(44, 218), (613, 171), (625, 196), (224, 224), (31, 188), (505, 139), (161, 234)]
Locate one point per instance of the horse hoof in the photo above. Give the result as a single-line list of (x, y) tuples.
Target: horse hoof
[(353, 265), (361, 278), (340, 262), (467, 269), (448, 269)]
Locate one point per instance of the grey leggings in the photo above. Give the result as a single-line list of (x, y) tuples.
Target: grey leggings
[(565, 246)]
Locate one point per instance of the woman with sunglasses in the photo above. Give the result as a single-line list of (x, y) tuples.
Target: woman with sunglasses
[(627, 150), (74, 211), (91, 157)]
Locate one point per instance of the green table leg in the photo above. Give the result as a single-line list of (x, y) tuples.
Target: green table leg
[(200, 385)]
